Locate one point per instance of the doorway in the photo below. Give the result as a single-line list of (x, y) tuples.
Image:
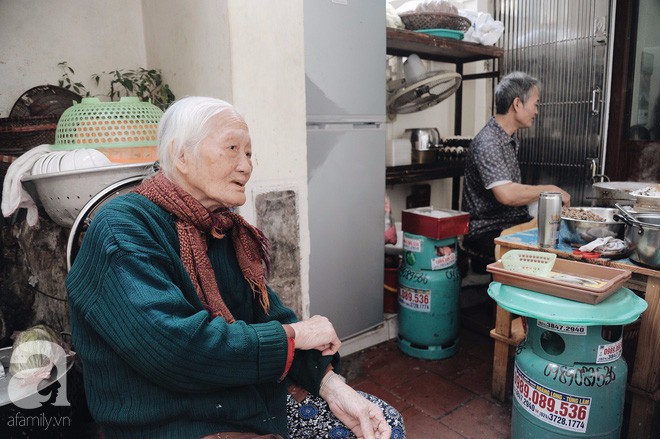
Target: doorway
[(633, 139), (564, 44)]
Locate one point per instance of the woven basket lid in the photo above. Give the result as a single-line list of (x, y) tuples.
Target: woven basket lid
[(435, 20), (95, 124)]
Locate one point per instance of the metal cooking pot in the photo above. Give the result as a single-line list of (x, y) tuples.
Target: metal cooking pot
[(647, 198), (610, 192), (642, 236), (424, 139)]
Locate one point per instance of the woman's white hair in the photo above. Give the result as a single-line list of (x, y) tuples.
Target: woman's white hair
[(183, 127)]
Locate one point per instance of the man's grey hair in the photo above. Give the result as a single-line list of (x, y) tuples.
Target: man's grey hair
[(183, 127), (512, 86)]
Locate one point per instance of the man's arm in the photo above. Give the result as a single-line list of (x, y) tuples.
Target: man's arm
[(517, 194)]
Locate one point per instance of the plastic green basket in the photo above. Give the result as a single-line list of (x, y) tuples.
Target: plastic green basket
[(529, 262), (109, 126), (129, 122)]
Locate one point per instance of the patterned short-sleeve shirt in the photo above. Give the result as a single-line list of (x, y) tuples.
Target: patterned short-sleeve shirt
[(492, 157)]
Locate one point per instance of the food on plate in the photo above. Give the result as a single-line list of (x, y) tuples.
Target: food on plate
[(580, 214)]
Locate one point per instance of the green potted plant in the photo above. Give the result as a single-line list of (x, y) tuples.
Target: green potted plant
[(146, 84)]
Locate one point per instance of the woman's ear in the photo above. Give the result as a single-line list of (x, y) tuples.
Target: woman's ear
[(181, 161)]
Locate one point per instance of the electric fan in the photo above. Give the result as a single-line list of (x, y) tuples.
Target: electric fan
[(419, 89)]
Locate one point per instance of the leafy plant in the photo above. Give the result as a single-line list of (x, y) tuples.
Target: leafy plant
[(146, 84), (65, 80)]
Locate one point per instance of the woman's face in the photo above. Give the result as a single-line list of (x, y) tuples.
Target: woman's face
[(217, 177)]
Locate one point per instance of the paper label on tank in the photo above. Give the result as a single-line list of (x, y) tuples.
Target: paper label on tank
[(412, 244), (413, 298), (568, 412), (564, 329), (609, 352), (443, 261)]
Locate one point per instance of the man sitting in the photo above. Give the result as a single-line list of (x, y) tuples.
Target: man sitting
[(493, 193)]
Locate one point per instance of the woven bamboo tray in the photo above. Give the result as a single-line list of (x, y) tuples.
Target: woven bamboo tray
[(435, 20), (19, 134)]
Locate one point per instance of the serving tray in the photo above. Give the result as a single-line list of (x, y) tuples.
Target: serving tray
[(578, 281)]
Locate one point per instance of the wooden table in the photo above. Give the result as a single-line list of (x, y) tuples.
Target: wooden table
[(644, 384)]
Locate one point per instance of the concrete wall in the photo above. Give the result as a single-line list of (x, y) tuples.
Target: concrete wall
[(92, 36), (248, 52)]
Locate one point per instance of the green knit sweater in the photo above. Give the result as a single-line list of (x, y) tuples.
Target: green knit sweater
[(155, 364)]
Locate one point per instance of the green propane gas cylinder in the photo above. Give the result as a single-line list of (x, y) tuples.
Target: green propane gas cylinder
[(429, 312), (423, 253), (569, 378)]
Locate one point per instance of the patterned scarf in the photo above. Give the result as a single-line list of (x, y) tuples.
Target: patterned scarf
[(194, 224)]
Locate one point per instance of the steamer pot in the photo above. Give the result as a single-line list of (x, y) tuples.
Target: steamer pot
[(642, 236), (610, 192)]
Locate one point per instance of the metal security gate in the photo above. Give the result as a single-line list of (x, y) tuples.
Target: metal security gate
[(564, 43)]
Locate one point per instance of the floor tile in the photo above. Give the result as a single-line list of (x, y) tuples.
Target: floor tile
[(422, 426), (433, 394), (481, 419), (392, 369), (477, 378)]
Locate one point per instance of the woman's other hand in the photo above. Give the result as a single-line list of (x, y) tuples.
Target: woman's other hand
[(364, 418), (316, 333)]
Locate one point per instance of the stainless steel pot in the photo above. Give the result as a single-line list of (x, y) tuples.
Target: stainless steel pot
[(648, 198), (610, 192), (642, 237), (424, 139)]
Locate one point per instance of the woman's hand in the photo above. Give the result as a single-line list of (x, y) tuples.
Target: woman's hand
[(316, 333), (363, 417)]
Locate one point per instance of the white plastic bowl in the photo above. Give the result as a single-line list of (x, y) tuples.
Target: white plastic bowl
[(36, 167), (54, 162), (89, 158), (83, 159)]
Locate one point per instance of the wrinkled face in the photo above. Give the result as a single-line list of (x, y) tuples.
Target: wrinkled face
[(217, 177), (526, 112)]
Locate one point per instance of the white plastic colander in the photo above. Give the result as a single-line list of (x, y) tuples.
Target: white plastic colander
[(529, 262)]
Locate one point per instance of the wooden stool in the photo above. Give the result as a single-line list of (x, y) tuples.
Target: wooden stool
[(508, 333)]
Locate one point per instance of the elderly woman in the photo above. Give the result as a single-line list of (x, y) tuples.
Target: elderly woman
[(179, 334)]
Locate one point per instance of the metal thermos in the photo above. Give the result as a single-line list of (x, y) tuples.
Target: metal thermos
[(549, 219)]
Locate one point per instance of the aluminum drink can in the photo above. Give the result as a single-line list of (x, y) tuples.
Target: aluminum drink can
[(549, 219)]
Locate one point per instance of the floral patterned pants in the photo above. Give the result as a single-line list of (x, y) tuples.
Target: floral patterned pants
[(312, 419)]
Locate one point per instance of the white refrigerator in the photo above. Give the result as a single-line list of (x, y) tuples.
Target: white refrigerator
[(345, 87)]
